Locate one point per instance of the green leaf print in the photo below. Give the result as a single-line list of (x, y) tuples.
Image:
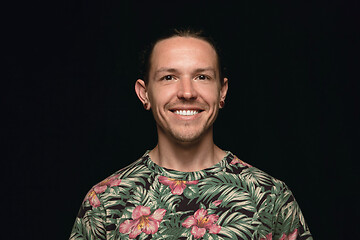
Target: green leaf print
[(235, 225), (230, 200), (256, 176), (136, 174), (93, 222), (78, 231), (162, 196), (191, 191)]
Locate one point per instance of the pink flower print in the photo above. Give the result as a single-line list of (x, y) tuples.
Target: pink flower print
[(100, 188), (237, 160), (142, 221), (201, 222), (217, 202), (268, 237), (177, 186), (93, 199), (108, 182), (291, 236)]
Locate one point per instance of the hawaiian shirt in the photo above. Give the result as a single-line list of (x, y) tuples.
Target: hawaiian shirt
[(230, 200)]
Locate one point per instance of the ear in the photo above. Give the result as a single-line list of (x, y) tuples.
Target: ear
[(141, 92), (224, 89)]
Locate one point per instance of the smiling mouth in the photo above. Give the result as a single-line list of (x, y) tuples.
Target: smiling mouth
[(186, 112)]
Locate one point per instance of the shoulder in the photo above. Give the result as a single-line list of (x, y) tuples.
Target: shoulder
[(117, 183), (253, 176)]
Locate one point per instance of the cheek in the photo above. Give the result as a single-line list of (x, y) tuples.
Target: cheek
[(210, 95), (157, 102), (160, 97)]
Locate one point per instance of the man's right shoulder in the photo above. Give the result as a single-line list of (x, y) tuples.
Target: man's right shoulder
[(125, 178)]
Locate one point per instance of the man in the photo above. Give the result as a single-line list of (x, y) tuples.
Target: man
[(187, 187)]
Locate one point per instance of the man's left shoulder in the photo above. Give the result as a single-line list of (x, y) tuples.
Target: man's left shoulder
[(253, 176)]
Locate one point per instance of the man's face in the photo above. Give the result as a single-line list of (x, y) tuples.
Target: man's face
[(184, 88)]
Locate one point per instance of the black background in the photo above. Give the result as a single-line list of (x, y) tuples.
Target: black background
[(72, 117)]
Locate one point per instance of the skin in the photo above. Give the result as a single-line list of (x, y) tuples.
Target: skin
[(184, 75)]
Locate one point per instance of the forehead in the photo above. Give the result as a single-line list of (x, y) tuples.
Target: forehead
[(183, 51)]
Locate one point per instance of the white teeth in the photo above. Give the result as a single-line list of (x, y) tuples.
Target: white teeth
[(186, 112)]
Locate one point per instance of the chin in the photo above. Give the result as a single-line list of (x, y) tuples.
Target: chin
[(186, 139), (190, 137)]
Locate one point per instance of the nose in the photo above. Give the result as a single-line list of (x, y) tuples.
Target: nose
[(187, 89)]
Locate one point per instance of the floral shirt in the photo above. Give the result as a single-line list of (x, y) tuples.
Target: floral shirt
[(230, 200)]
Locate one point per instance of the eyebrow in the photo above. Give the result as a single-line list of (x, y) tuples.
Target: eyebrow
[(164, 69), (174, 70), (209, 69)]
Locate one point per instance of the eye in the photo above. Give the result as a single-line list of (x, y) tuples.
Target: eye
[(202, 77), (167, 77)]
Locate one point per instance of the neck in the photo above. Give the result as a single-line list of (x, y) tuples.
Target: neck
[(186, 156)]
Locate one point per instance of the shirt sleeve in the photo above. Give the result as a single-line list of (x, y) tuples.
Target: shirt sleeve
[(289, 221), (90, 221)]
